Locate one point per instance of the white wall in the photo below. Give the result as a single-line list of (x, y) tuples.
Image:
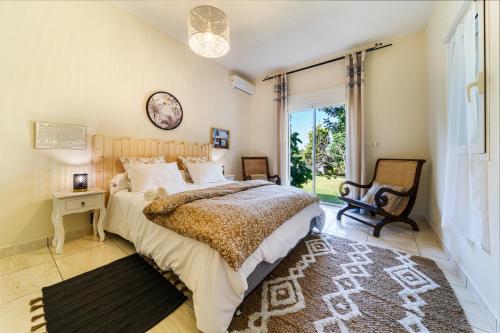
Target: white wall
[(482, 268), (91, 63), (396, 102)]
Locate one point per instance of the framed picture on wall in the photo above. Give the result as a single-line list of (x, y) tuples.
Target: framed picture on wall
[(164, 110), (49, 135), (219, 138)]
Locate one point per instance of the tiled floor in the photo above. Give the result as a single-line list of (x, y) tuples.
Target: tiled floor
[(23, 275)]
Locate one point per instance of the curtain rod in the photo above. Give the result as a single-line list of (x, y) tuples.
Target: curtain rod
[(376, 47)]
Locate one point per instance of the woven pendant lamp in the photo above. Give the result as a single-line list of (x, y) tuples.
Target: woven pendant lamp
[(208, 30)]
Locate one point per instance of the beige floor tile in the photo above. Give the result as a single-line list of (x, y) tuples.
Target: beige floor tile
[(450, 270), (330, 210), (398, 227), (463, 293), (426, 235), (15, 316), (26, 281), (406, 246), (478, 316), (397, 234), (77, 263), (78, 245), (348, 229), (181, 320), (24, 260), (432, 250), (123, 244)]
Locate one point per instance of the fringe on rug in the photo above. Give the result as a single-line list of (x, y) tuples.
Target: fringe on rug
[(37, 303), (170, 276)]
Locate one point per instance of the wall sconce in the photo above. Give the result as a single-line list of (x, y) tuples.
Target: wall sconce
[(80, 182)]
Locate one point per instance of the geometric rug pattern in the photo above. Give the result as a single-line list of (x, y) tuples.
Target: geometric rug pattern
[(329, 284)]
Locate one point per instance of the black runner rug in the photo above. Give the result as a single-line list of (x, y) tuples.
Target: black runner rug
[(127, 295)]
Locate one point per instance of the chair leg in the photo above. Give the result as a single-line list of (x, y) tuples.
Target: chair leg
[(413, 224), (343, 210), (386, 220), (379, 226)]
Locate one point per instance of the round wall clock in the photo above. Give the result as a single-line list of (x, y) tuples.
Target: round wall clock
[(164, 110)]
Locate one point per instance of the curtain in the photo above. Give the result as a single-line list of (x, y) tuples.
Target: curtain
[(355, 156), (281, 96), (465, 202)]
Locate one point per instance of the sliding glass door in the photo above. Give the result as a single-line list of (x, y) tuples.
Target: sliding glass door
[(317, 150)]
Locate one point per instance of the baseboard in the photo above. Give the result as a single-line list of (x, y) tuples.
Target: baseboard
[(460, 270), (39, 243)]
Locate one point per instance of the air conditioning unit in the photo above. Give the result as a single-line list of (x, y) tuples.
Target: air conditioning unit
[(242, 85)]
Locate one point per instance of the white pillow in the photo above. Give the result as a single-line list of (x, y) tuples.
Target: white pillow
[(205, 173), (118, 183), (144, 177)]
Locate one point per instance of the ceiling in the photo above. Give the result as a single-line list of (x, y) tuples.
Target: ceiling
[(268, 36)]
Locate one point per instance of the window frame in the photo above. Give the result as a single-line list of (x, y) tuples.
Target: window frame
[(478, 151)]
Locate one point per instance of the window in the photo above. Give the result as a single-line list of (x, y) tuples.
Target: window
[(466, 81), (465, 204)]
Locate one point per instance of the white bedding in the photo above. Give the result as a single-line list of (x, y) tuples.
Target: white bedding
[(217, 289)]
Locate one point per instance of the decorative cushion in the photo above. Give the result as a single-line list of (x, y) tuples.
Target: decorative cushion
[(182, 162), (144, 177), (128, 161), (395, 204), (205, 173), (119, 182)]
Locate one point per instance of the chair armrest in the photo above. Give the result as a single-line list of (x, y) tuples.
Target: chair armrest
[(277, 178), (344, 189), (381, 199)]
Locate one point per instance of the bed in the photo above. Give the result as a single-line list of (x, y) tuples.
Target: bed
[(217, 288)]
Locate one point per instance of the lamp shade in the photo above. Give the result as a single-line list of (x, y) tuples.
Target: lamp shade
[(208, 30), (80, 182)]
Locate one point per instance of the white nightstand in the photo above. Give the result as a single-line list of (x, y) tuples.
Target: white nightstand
[(229, 177), (65, 203)]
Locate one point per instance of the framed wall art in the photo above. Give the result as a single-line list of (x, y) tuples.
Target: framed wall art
[(164, 110), (219, 138), (50, 135)]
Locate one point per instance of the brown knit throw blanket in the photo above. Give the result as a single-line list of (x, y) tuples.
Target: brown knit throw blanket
[(331, 284), (233, 219)]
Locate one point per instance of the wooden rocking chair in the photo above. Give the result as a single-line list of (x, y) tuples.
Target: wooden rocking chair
[(257, 168), (392, 193)]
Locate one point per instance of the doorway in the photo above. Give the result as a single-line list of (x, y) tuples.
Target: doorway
[(317, 150)]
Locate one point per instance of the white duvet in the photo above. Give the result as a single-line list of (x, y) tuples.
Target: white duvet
[(217, 289)]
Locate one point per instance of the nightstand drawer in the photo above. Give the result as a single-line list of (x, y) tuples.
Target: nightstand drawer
[(83, 202)]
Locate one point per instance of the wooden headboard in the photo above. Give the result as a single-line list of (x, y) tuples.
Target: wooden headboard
[(107, 151)]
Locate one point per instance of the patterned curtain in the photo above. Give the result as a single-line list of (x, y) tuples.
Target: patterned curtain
[(355, 159), (281, 95)]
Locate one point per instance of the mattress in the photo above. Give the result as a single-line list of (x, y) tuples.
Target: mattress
[(217, 288)]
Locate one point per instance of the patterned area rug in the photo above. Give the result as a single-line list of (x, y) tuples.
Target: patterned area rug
[(331, 284)]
